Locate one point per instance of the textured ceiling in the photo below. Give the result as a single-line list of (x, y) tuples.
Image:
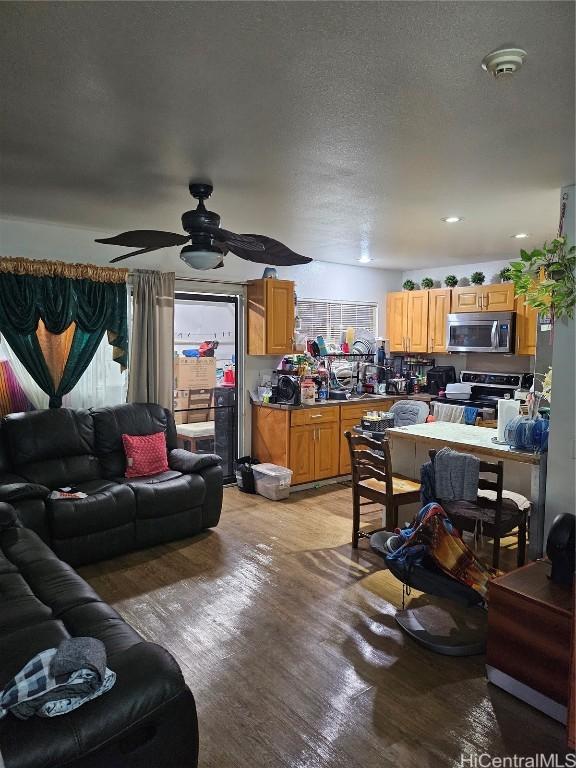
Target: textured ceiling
[(339, 128)]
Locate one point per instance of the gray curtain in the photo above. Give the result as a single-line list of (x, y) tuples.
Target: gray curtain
[(151, 372)]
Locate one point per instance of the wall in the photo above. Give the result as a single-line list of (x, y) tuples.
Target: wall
[(317, 280), (561, 481)]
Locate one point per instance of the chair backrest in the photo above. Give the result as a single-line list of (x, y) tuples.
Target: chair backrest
[(409, 412), (110, 423), (53, 447), (370, 459), (484, 484)]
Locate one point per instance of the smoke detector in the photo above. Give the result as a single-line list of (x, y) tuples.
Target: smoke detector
[(504, 62)]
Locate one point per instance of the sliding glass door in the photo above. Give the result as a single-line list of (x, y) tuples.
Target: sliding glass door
[(205, 375)]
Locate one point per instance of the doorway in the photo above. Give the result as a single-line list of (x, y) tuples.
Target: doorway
[(206, 371)]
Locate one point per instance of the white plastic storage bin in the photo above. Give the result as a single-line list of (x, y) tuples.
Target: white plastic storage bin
[(272, 481)]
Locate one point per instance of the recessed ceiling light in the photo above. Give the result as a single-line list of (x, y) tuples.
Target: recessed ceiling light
[(520, 235), (452, 219), (364, 259)]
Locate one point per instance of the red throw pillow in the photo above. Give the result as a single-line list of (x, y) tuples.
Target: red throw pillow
[(145, 454)]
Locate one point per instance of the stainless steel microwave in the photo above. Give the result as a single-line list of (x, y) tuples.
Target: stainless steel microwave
[(480, 332)]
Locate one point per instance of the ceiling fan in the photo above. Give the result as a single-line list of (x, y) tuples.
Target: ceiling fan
[(208, 242)]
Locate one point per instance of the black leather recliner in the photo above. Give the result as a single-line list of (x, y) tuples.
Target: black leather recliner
[(45, 450), (147, 720)]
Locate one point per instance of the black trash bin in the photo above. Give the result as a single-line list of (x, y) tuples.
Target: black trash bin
[(245, 475)]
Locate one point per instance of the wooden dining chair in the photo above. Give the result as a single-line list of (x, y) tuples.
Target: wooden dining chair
[(495, 514), (372, 479)]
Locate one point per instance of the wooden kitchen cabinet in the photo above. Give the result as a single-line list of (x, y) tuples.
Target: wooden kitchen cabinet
[(467, 299), (417, 321), (397, 320), (438, 311), (270, 317), (407, 321), (309, 440), (314, 445), (526, 328), (498, 297), (302, 454)]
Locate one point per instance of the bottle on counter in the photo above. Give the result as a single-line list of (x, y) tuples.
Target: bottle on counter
[(307, 391)]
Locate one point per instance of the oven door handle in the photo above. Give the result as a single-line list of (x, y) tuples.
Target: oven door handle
[(494, 337)]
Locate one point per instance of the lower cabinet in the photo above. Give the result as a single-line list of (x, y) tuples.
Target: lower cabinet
[(314, 452), (302, 450), (310, 441)]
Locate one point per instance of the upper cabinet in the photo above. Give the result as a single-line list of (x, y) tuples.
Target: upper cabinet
[(417, 323), (397, 320), (270, 317), (526, 328), (407, 321), (498, 297), (416, 320), (438, 310)]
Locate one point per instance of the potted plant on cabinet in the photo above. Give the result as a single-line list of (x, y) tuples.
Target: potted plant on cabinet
[(427, 283), (505, 275), (477, 278), (408, 285), (451, 281)]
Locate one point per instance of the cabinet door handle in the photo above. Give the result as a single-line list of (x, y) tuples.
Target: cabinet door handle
[(517, 344), (479, 301), (316, 415)]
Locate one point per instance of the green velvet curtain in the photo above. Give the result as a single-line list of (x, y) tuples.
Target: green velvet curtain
[(95, 308)]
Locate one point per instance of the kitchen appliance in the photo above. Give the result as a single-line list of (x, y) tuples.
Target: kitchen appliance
[(287, 388), (488, 388), (458, 391), (438, 377), (480, 332)]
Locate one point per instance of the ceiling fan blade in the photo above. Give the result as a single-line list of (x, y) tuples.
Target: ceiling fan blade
[(134, 253), (226, 238), (145, 238), (275, 253)]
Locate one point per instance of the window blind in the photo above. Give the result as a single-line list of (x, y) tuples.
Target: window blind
[(330, 318)]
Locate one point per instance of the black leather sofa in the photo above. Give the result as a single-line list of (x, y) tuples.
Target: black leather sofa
[(41, 451), (147, 720)]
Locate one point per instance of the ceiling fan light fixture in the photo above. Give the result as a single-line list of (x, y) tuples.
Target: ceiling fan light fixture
[(201, 256)]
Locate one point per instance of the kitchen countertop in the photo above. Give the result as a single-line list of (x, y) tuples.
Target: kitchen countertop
[(459, 436), (369, 401)]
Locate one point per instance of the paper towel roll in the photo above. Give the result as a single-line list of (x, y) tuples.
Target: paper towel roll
[(507, 410)]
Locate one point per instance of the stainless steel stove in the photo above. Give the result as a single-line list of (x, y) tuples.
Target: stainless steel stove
[(488, 388)]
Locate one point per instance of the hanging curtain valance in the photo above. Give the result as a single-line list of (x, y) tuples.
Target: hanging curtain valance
[(54, 316), (38, 268)]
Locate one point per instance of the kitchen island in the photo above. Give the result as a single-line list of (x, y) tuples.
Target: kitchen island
[(524, 473)]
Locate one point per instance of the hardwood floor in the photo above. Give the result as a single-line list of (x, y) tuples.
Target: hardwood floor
[(287, 639)]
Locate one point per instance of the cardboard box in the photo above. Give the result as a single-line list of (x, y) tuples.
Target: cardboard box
[(194, 372)]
